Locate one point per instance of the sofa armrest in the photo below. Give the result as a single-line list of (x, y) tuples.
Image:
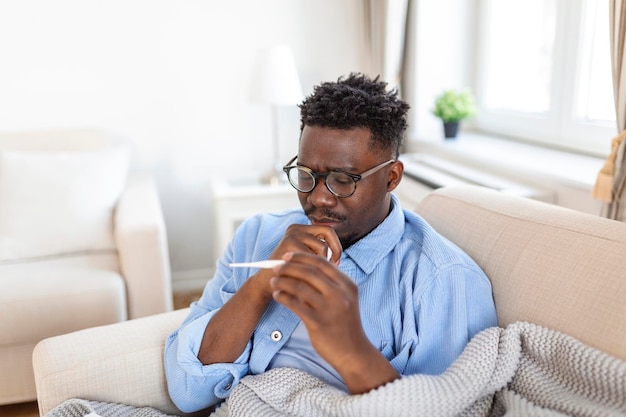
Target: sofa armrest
[(120, 363), (141, 242)]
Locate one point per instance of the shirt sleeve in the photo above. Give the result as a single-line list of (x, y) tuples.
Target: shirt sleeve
[(193, 386)]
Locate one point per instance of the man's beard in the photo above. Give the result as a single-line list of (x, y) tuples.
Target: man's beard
[(346, 241)]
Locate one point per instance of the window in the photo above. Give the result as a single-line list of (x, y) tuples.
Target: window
[(545, 74)]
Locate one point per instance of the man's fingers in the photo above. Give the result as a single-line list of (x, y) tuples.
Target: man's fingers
[(301, 275), (299, 307), (297, 295), (309, 267), (330, 239), (320, 240)]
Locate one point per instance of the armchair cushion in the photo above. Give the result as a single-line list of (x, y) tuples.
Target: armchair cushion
[(58, 202), (68, 299), (121, 363)]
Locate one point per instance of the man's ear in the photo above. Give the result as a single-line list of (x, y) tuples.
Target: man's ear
[(395, 175)]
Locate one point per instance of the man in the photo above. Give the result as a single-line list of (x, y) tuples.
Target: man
[(394, 298)]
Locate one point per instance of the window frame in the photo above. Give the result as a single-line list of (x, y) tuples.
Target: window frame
[(558, 128)]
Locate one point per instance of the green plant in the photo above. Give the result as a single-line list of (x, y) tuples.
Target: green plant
[(454, 106)]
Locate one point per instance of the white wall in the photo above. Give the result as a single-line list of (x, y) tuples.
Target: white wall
[(172, 76)]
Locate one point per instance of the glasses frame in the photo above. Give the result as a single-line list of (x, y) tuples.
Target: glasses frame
[(355, 177)]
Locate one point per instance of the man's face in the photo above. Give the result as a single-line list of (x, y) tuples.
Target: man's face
[(322, 150)]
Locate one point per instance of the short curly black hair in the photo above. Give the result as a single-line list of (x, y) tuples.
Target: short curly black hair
[(358, 101)]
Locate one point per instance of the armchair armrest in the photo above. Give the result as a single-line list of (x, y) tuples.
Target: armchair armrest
[(141, 242), (120, 363)]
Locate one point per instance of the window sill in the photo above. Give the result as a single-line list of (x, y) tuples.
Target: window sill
[(521, 161)]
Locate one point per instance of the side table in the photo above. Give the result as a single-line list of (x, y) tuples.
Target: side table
[(234, 200)]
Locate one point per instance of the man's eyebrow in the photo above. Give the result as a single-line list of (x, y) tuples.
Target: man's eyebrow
[(348, 168), (345, 169)]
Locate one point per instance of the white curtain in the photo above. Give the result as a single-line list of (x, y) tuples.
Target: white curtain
[(611, 179), (388, 32), (385, 23)]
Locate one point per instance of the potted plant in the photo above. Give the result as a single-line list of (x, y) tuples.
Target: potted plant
[(453, 106)]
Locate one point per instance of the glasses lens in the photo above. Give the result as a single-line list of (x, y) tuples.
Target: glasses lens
[(301, 179), (341, 184)]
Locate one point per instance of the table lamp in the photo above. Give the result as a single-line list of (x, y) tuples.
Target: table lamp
[(276, 82)]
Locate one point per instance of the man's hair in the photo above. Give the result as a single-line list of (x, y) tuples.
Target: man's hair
[(358, 101)]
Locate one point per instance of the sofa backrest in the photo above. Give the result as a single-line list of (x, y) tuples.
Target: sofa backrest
[(548, 265)]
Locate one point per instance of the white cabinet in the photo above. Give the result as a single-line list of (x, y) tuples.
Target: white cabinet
[(236, 200)]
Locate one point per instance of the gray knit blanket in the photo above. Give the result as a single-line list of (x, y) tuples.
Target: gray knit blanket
[(521, 370)]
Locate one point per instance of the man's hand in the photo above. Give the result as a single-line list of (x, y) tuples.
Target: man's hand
[(309, 239), (299, 238), (326, 300), (231, 328)]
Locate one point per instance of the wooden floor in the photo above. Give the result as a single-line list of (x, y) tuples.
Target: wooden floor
[(181, 300), (20, 410)]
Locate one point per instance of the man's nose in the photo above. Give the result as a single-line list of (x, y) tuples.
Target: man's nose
[(321, 196)]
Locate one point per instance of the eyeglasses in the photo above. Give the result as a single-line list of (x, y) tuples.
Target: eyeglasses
[(340, 183)]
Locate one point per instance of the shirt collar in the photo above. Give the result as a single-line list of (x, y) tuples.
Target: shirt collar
[(371, 249)]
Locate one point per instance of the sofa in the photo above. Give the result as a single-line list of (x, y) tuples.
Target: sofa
[(549, 265), (82, 243)]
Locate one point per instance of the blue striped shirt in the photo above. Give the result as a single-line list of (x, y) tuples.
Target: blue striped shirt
[(421, 298)]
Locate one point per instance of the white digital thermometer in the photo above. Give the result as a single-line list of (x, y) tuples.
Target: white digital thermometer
[(268, 263)]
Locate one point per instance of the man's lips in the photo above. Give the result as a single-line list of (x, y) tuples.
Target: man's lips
[(323, 221)]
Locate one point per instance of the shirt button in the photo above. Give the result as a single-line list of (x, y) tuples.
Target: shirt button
[(276, 336)]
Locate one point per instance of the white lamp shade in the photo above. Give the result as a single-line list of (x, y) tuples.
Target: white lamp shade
[(275, 80)]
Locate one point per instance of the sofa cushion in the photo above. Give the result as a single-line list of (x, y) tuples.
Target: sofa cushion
[(36, 303), (59, 202), (548, 265)]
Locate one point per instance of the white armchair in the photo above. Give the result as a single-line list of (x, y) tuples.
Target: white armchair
[(82, 244)]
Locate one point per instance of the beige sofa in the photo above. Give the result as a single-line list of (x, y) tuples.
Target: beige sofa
[(552, 266), (82, 244)]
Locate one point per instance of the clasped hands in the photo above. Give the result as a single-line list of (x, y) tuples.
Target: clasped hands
[(326, 300)]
